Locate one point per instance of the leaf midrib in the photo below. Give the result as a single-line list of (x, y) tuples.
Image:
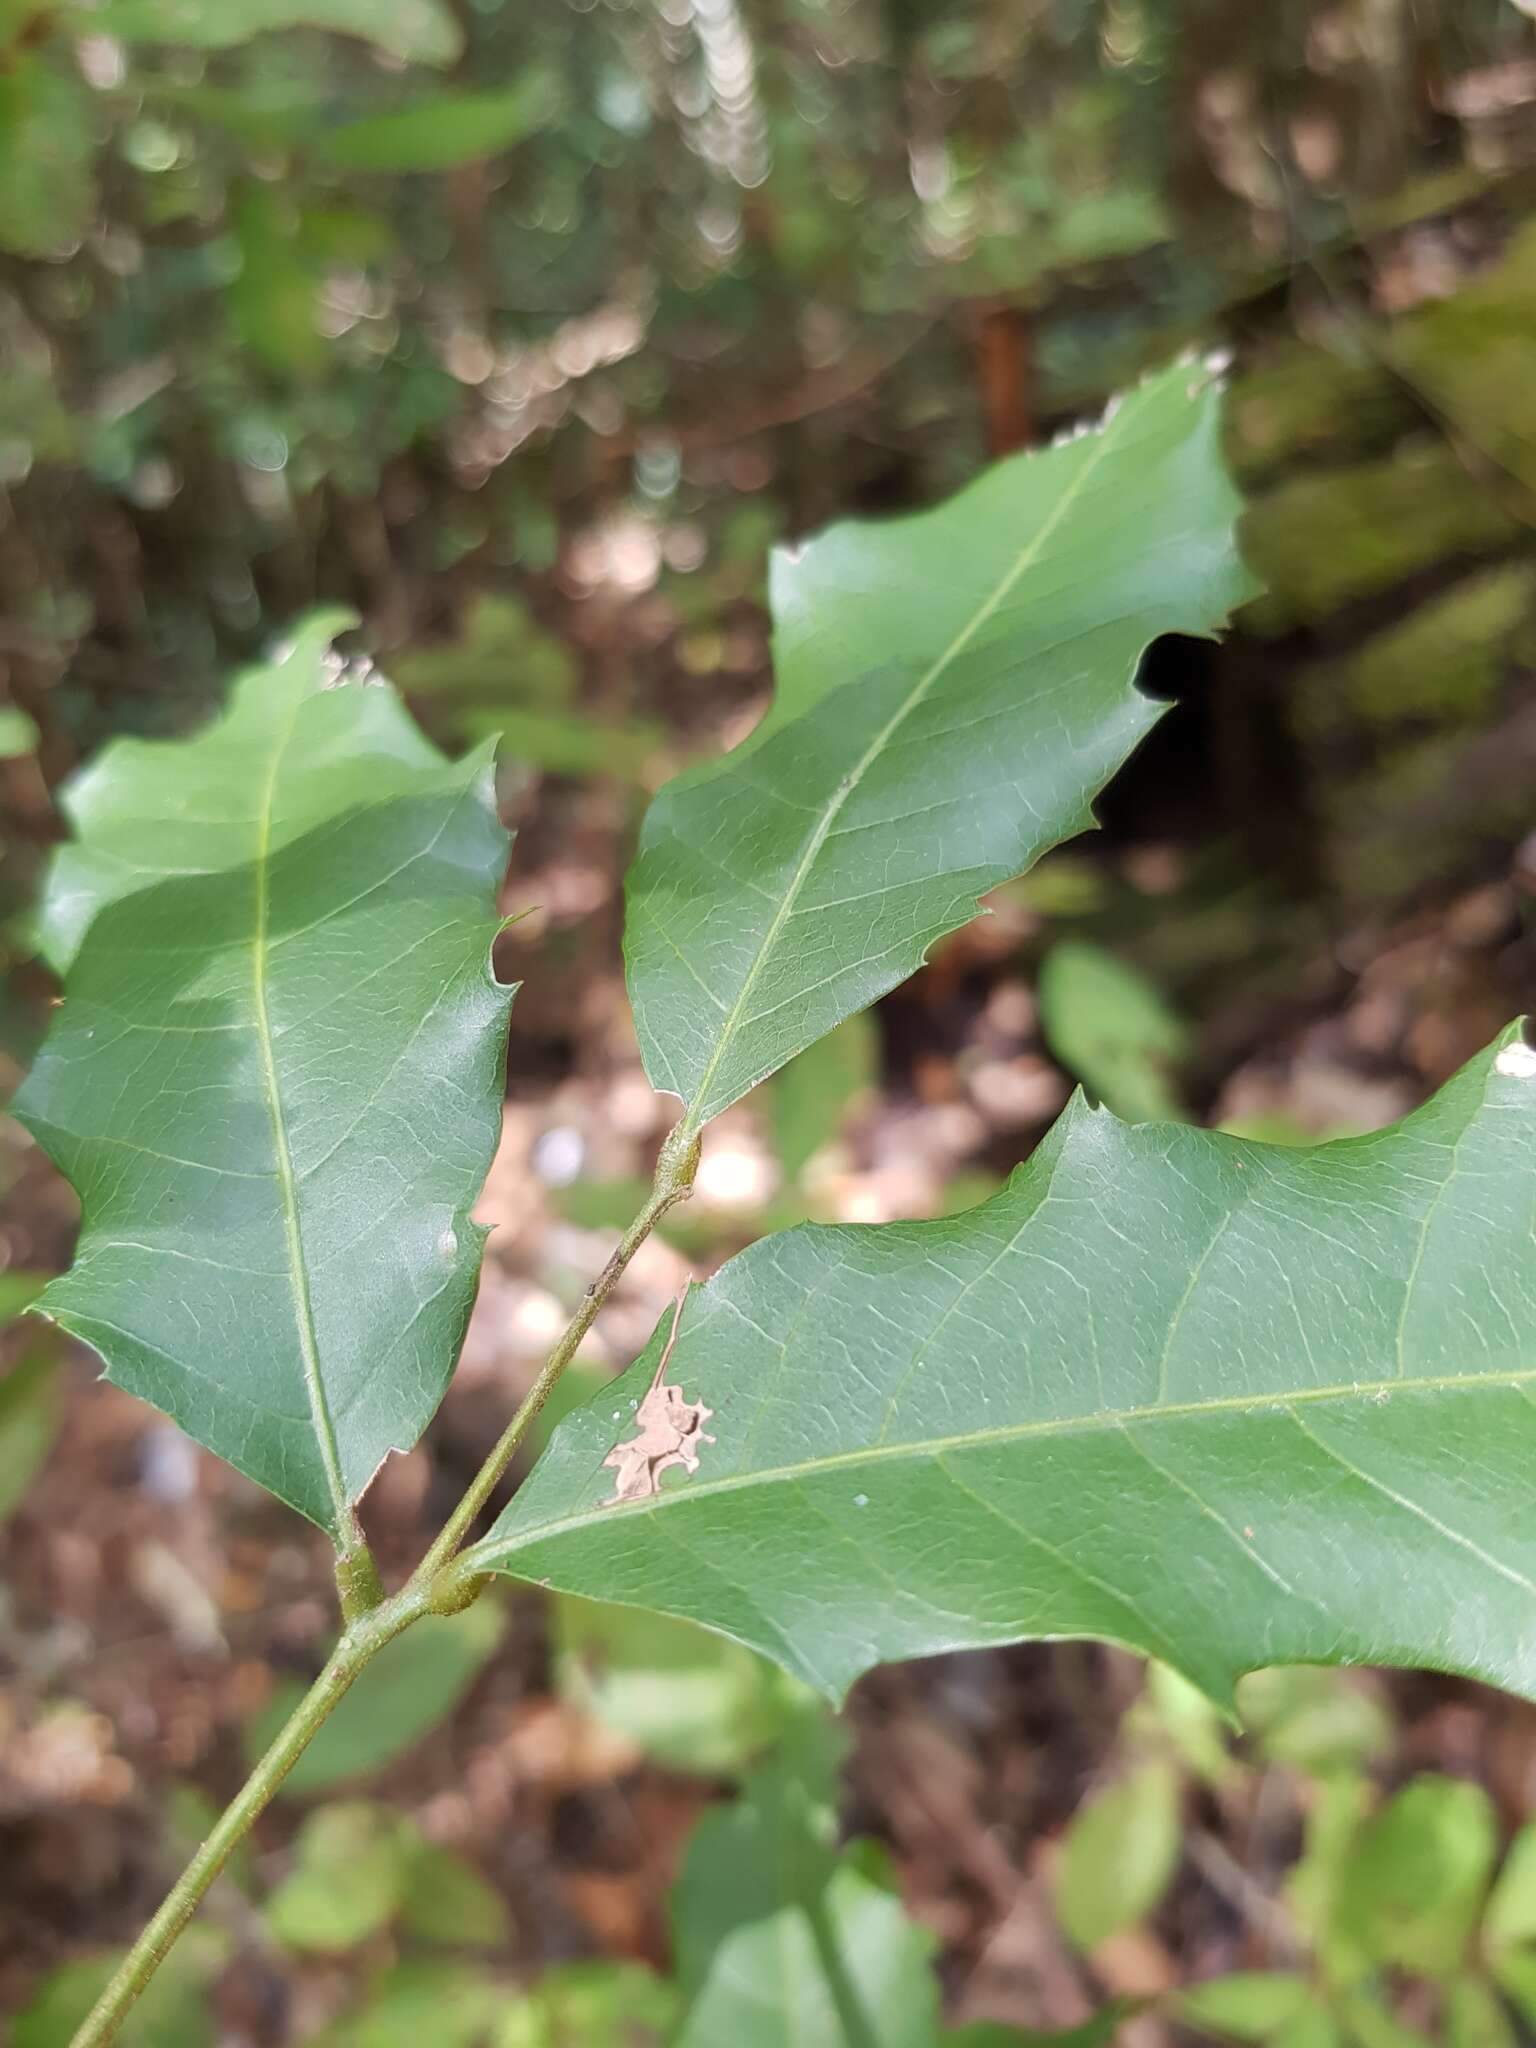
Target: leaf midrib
[(1102, 1419), (695, 1116), (304, 1315)]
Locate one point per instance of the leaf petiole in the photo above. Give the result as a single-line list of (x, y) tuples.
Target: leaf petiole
[(673, 1183), (438, 1585)]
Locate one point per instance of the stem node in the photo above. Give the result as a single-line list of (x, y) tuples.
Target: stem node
[(371, 1618), (455, 1589), (358, 1583)]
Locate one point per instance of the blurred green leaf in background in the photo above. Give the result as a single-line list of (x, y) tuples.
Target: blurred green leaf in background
[(1109, 1026), (411, 1687)]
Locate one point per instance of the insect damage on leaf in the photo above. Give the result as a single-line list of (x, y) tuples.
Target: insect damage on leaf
[(1306, 1395), (669, 1430)]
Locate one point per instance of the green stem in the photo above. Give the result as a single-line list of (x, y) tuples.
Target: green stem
[(675, 1170), (435, 1587), (358, 1646)]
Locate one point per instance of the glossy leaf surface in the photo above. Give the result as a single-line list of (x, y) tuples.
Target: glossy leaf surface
[(1227, 1403), (275, 1080), (953, 690)]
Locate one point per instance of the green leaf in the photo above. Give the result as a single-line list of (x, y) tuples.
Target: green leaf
[(173, 2012), (273, 300), (686, 1696), (953, 689), (31, 1409), (126, 837), (414, 1683), (1064, 885), (276, 1079), (414, 31), (1515, 1972), (445, 1901), (447, 2004), (268, 116), (507, 678), (563, 744), (588, 2005), (1226, 1403), (1337, 1807), (348, 1883), (1176, 1715), (787, 1810), (1475, 2017), (1121, 1850), (1511, 1914), (47, 152), (1110, 1027), (811, 1096), (502, 656), (359, 1867), (1415, 1880), (779, 1938), (1368, 2023), (1313, 2027), (1250, 2005), (446, 130), (18, 1290), (1316, 1720), (1098, 2032)]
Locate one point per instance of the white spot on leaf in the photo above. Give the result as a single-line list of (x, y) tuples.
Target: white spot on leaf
[(1518, 1061)]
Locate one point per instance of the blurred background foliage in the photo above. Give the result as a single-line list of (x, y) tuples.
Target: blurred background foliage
[(527, 332)]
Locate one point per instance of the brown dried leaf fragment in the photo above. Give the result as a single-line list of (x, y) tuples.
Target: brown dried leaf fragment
[(669, 1431)]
